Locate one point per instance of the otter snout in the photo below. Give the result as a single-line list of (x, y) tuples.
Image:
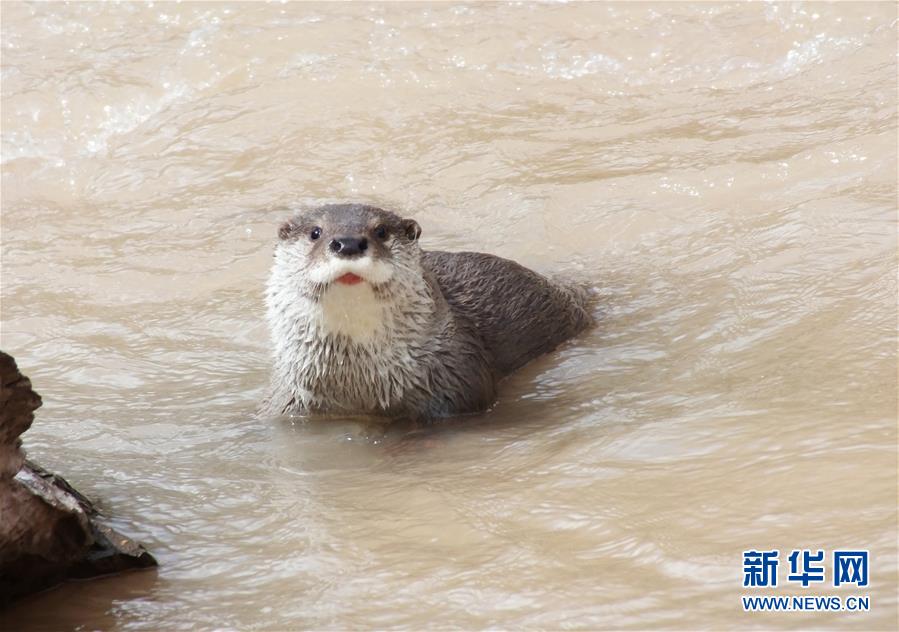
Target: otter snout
[(348, 246), (341, 244)]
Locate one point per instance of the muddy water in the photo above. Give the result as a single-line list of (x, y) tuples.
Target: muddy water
[(725, 175)]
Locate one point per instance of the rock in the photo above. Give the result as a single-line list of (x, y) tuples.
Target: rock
[(48, 531)]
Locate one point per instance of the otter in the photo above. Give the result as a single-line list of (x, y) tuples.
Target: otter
[(363, 320)]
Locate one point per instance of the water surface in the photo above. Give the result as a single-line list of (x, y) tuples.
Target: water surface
[(723, 174)]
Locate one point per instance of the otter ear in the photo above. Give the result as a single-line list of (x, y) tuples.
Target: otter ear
[(286, 229), (411, 229)]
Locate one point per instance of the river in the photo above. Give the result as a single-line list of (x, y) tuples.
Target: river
[(725, 175)]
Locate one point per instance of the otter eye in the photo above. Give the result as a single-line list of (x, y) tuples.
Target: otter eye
[(316, 233), (381, 232)]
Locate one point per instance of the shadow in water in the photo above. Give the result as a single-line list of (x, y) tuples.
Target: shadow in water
[(81, 604)]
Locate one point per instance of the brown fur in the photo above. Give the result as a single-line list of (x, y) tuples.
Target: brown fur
[(454, 323)]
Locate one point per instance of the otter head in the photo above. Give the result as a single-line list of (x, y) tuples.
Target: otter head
[(348, 244), (345, 262)]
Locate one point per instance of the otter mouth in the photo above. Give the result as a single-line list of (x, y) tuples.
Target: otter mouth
[(336, 272), (349, 279)]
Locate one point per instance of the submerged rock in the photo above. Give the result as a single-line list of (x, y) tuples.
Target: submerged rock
[(48, 531)]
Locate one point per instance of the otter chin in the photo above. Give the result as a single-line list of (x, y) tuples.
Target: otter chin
[(362, 320)]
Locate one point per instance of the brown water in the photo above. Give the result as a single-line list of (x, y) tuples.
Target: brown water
[(725, 175)]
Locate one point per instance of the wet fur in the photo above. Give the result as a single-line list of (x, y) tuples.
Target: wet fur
[(429, 336)]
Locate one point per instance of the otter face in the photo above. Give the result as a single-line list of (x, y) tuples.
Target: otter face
[(340, 269), (348, 244)]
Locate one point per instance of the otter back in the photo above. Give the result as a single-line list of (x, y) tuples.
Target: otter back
[(518, 313)]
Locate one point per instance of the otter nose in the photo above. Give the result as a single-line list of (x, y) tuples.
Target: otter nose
[(348, 246)]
